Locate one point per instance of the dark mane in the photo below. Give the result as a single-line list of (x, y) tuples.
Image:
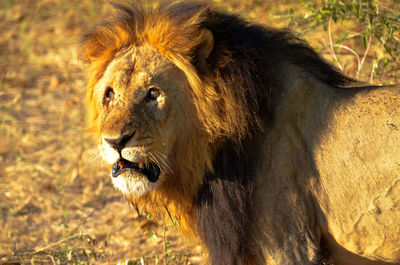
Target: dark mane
[(269, 46), (223, 207), (242, 51), (260, 52)]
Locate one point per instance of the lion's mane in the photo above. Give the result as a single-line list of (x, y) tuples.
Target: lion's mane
[(234, 99)]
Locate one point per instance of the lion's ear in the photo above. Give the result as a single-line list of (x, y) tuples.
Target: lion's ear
[(207, 44), (204, 49)]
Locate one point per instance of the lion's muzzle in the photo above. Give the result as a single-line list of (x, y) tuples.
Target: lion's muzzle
[(150, 170)]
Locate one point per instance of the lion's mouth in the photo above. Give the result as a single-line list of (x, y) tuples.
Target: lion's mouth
[(151, 171)]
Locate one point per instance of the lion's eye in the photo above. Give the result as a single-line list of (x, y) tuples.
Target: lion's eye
[(154, 93), (108, 95)]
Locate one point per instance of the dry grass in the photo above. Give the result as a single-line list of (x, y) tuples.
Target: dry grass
[(57, 204)]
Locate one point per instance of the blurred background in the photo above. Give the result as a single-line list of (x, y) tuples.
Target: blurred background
[(57, 203)]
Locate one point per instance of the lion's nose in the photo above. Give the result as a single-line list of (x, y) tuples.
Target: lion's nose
[(119, 143)]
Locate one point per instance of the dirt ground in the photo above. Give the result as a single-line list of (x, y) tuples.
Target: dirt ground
[(57, 203)]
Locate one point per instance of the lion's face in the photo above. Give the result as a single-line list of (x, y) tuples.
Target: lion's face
[(142, 98)]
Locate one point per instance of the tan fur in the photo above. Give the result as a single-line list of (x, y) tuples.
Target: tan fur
[(337, 161), (327, 174)]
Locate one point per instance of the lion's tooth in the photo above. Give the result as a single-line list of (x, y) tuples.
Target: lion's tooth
[(141, 165)]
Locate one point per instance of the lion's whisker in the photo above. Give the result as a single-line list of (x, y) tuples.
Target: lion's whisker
[(161, 163), (158, 152), (95, 156), (164, 160), (153, 157)]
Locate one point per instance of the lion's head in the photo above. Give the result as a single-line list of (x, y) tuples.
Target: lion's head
[(143, 101), (153, 105)]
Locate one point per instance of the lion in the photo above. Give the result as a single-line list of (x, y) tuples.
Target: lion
[(245, 137)]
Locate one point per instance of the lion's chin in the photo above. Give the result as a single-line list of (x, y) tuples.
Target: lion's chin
[(133, 184)]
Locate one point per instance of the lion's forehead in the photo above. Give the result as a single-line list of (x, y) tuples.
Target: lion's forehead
[(136, 65)]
